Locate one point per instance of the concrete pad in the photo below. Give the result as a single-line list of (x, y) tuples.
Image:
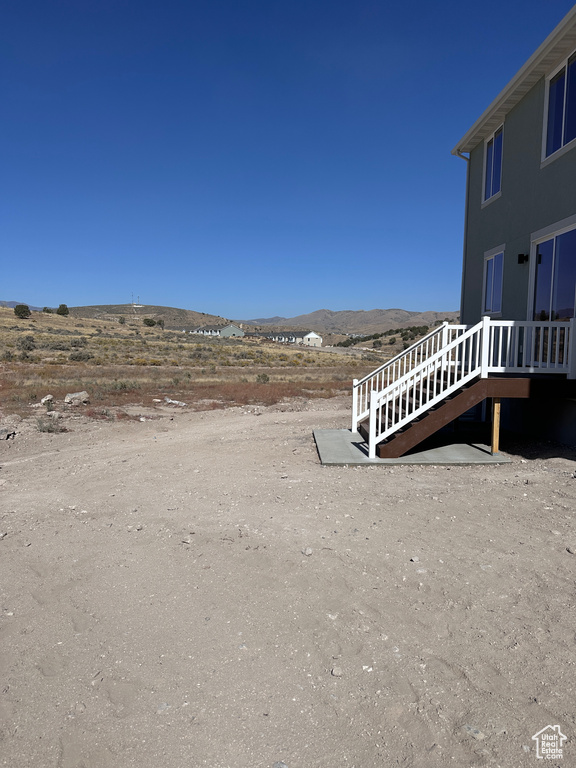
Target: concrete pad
[(339, 447)]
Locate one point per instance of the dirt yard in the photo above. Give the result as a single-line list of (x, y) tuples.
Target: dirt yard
[(195, 589)]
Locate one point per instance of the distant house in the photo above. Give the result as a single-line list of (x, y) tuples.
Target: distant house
[(307, 338), (223, 331), (284, 337), (312, 339)]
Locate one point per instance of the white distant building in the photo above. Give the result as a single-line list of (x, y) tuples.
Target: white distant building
[(224, 331), (307, 338), (312, 339)]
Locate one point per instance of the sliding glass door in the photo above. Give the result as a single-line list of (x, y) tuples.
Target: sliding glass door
[(555, 283)]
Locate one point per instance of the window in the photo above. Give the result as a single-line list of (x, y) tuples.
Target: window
[(555, 279), (493, 265), (561, 119), (493, 165)]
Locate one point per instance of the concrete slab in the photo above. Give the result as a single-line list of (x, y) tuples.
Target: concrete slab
[(339, 447)]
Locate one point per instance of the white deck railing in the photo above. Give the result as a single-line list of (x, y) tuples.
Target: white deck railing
[(447, 359), (528, 347)]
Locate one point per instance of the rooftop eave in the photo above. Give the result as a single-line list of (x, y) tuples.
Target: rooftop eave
[(559, 44)]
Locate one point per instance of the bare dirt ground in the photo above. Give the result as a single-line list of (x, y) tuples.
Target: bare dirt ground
[(196, 589)]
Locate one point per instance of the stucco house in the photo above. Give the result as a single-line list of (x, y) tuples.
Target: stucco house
[(223, 331), (282, 337), (298, 336), (312, 339), (517, 341)]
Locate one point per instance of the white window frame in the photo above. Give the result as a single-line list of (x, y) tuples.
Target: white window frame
[(486, 200), (546, 159), (489, 256)]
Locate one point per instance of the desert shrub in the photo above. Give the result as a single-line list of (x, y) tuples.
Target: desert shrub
[(26, 343), (22, 311), (262, 378), (49, 424), (61, 345), (81, 342), (100, 413), (63, 310), (81, 356), (122, 320), (48, 310), (149, 322)]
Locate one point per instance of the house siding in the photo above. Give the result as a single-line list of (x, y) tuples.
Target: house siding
[(231, 330), (533, 197)]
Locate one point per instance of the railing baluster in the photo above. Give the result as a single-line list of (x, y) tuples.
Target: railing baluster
[(531, 334), (516, 349), (557, 334)]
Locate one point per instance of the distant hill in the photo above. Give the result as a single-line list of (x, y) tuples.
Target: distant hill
[(358, 321), (267, 321), (176, 319), (12, 304), (325, 321)]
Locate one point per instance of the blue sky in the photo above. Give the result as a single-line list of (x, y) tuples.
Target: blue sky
[(248, 159)]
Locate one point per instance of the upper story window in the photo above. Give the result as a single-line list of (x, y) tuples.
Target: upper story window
[(493, 165), (561, 119)]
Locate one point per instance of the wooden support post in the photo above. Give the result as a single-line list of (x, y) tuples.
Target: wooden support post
[(495, 425)]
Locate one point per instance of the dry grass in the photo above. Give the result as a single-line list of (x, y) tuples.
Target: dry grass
[(23, 384), (51, 339), (120, 364)]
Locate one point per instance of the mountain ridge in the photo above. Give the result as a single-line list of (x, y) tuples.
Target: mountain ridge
[(359, 321), (324, 321)]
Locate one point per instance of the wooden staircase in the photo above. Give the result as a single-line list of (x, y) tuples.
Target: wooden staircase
[(452, 369), (446, 411)]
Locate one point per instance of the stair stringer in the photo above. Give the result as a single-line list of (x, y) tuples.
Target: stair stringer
[(448, 410)]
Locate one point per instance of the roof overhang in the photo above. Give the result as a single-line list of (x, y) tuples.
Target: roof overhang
[(559, 44)]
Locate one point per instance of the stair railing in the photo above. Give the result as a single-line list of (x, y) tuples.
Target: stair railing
[(449, 357), (399, 366), (435, 378)]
